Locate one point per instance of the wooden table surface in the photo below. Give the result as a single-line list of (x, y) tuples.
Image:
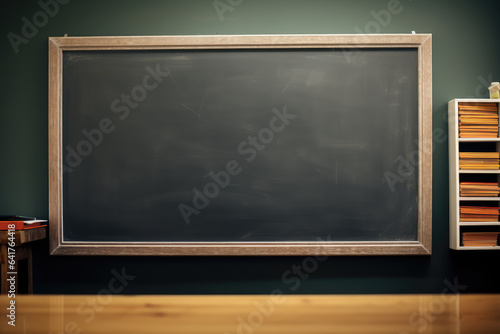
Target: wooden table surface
[(304, 314), (24, 236)]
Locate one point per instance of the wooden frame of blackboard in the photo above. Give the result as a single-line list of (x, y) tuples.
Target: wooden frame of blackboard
[(421, 42)]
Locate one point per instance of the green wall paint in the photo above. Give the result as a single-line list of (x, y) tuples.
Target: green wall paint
[(466, 55)]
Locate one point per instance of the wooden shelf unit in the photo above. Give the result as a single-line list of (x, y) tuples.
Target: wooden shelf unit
[(456, 226)]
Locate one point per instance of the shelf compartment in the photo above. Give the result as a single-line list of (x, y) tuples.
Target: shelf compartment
[(483, 157), (494, 230), (477, 119), (488, 185), (479, 213)]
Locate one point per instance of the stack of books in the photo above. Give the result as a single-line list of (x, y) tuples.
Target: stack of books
[(479, 239), (11, 222), (479, 213), (479, 160), (478, 120), (479, 189)]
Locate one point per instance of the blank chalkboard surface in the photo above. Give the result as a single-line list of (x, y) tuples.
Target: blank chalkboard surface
[(213, 148)]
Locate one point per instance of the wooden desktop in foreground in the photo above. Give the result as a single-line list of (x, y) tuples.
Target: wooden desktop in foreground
[(304, 314)]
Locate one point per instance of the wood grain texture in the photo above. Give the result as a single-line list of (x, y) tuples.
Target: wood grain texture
[(276, 314), (420, 41), (247, 249), (55, 144), (425, 143), (24, 236), (237, 41)]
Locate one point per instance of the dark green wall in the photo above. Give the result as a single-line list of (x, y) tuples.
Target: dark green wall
[(466, 54)]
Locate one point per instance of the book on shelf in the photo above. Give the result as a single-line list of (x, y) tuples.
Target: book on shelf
[(477, 120), (479, 189), (479, 239), (478, 106), (479, 213), (21, 224), (479, 160)]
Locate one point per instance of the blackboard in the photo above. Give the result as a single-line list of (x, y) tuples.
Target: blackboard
[(240, 150)]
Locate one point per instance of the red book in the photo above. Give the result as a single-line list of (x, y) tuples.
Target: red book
[(19, 224)]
